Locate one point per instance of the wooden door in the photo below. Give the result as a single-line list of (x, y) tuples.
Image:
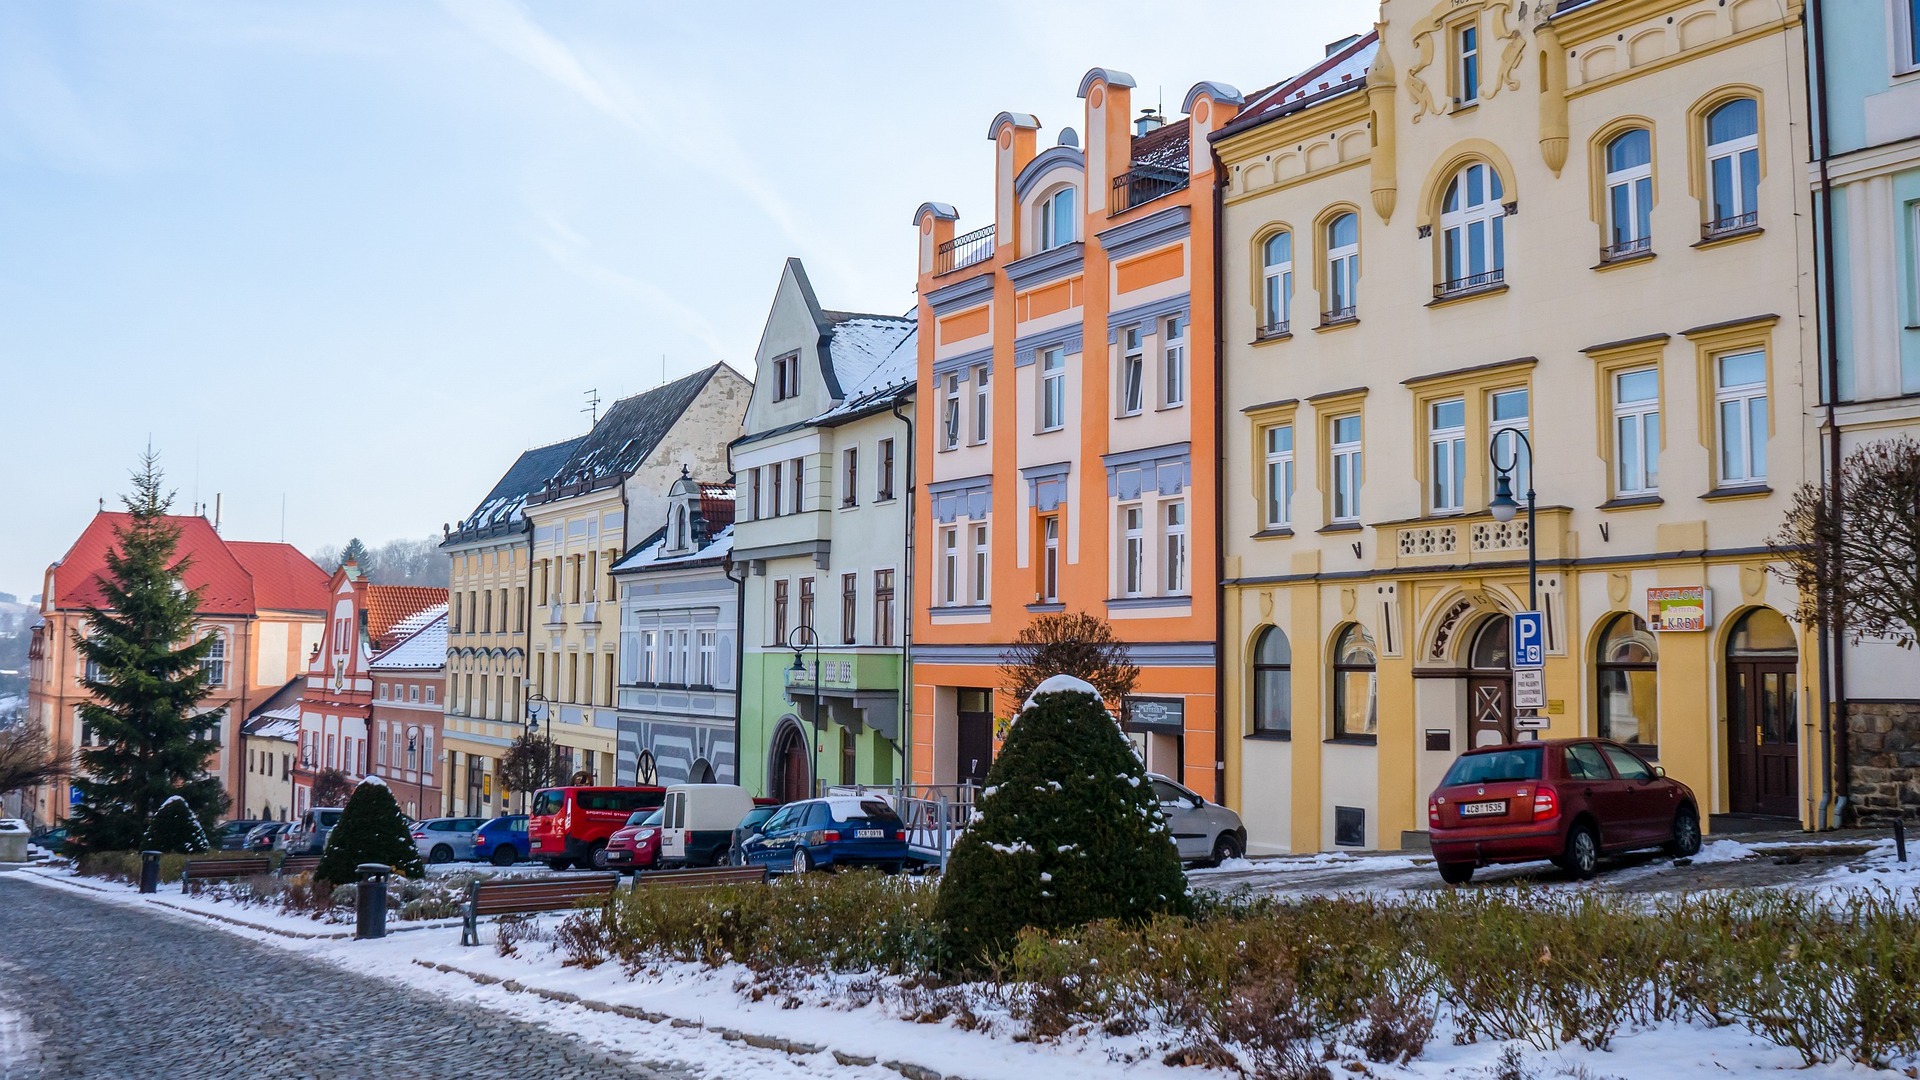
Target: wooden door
[(974, 741), (1763, 738), (792, 777), (1489, 710)]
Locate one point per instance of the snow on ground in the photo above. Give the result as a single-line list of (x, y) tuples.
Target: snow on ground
[(16, 1038)]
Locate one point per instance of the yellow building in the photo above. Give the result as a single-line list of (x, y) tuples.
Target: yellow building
[(1578, 225)]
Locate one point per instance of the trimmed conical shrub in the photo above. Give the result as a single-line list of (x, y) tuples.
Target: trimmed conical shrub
[(1067, 832), (173, 828), (371, 830)]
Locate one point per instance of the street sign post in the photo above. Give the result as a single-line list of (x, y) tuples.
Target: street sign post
[(1529, 674), (1529, 640)]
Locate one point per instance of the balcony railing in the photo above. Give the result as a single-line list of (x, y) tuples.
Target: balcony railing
[(963, 251), (1626, 249), (1471, 283), (1727, 226), (1274, 330), (1340, 315), (1143, 185)]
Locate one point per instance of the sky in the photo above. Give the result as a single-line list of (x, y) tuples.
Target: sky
[(340, 262)]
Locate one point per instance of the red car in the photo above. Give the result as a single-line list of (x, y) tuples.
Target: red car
[(567, 826), (1568, 800), (635, 845)]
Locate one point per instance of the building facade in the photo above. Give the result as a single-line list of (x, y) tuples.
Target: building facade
[(1067, 349), (823, 541), (265, 603), (1866, 191), (1558, 246), (678, 690), (409, 679), (611, 487), (270, 739), (489, 574)]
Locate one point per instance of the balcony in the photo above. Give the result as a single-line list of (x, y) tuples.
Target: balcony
[(1143, 185), (1472, 283), (1340, 316), (1272, 330), (963, 251), (1626, 249), (1730, 226)]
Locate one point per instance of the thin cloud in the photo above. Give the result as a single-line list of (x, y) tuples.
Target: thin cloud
[(567, 248)]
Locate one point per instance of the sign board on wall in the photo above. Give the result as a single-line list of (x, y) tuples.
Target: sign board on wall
[(1684, 607), (1529, 688)]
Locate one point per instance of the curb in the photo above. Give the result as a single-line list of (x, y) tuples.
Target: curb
[(342, 935), (765, 1042)]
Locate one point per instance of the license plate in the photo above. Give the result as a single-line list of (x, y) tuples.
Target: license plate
[(1482, 809), (869, 834)]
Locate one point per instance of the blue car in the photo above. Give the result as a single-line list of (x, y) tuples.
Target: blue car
[(840, 830), (502, 841)]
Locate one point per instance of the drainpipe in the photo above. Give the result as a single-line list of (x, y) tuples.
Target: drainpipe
[(739, 643), (906, 623), (1219, 504)]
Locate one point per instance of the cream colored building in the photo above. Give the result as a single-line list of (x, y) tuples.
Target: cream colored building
[(1584, 223)]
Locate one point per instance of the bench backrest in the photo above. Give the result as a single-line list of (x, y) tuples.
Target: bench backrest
[(525, 895), (205, 869), (298, 864), (700, 878)]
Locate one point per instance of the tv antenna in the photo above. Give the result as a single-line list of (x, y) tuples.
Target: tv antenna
[(593, 404)]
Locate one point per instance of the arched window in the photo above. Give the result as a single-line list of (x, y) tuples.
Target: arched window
[(1733, 166), (645, 771), (1473, 230), (1343, 268), (1276, 260), (1273, 684), (1629, 194), (681, 539), (1626, 660), (1763, 632), (1355, 686), (1492, 648), (1056, 220)]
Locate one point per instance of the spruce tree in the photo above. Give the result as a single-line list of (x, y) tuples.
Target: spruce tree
[(146, 681), (1067, 832), (356, 553), (175, 829), (371, 829)]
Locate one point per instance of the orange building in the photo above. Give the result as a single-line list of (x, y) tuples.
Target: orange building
[(1067, 443)]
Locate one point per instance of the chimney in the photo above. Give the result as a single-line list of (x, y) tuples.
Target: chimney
[(216, 511), (1336, 46), (1150, 120)]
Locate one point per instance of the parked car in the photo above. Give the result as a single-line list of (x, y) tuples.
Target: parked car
[(53, 840), (839, 830), (502, 841), (753, 822), (696, 826), (309, 835), (262, 836), (232, 835), (442, 840), (567, 825), (1568, 800), (633, 846), (1205, 832)]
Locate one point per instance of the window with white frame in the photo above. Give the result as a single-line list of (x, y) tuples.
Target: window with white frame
[(786, 377), (1173, 368), (708, 650), (215, 662), (1344, 456), (1279, 463), (950, 412), (1447, 456), (850, 478), (649, 656), (1133, 551), (1343, 268), (1050, 558), (1056, 220), (1276, 292), (885, 489), (981, 563), (1467, 49), (1906, 16), (1629, 193), (982, 400), (1740, 395), (949, 564), (1636, 432), (384, 695), (1053, 389), (1133, 360), (1473, 230), (1174, 562), (1507, 410), (1733, 166)]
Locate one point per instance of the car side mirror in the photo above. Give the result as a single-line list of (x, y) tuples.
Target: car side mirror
[(1197, 802), (1659, 770)]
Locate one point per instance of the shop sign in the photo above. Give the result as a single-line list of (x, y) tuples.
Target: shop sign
[(1685, 607), (1165, 715)]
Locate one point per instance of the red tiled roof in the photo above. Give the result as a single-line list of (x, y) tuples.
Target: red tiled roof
[(388, 604), (283, 578), (225, 586)]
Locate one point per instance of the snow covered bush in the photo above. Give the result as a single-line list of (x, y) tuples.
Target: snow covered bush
[(1067, 831), (174, 827), (371, 830)]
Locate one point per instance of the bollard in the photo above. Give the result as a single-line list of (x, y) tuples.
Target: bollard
[(371, 912), (1900, 837), (149, 872)]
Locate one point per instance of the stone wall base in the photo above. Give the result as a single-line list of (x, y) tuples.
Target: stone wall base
[(1885, 767)]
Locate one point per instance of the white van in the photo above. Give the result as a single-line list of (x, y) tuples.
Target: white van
[(697, 820)]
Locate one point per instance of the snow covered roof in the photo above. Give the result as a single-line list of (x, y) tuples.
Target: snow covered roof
[(282, 724), (629, 432), (423, 646), (651, 557), (874, 358), (528, 473), (1344, 69)]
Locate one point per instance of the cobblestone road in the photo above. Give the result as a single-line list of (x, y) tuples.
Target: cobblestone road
[(109, 991)]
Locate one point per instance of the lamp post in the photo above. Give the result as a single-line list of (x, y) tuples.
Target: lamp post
[(419, 773), (537, 714), (1504, 509), (305, 765), (799, 641)]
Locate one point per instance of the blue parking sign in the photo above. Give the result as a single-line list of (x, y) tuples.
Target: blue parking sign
[(1529, 639)]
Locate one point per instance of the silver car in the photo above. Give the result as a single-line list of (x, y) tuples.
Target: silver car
[(308, 836), (442, 840), (1206, 832)]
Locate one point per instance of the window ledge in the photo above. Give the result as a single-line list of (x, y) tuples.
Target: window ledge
[(1341, 527), (1046, 608), (1354, 740), (1464, 295), (1634, 259), (1337, 324), (1744, 491), (1733, 236), (1273, 534), (1268, 339), (1632, 502), (1170, 408), (1269, 736), (1133, 603), (960, 609)]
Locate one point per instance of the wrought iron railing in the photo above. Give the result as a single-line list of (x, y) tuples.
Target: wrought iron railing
[(1729, 225), (1626, 249), (963, 251), (1470, 283), (1273, 330), (1144, 184), (1340, 315)]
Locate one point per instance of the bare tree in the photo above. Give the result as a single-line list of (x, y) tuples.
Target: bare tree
[(1867, 557), (1072, 643), (530, 764), (27, 758), (332, 788), (396, 562)]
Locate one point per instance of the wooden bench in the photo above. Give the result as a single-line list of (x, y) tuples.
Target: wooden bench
[(521, 896), (298, 864), (706, 877), (223, 870)]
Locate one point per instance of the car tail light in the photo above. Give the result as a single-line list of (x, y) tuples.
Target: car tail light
[(1433, 811), (830, 836), (416, 836), (900, 834), (1546, 803)]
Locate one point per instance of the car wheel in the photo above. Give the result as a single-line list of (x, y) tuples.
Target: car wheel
[(503, 856), (1583, 852), (1686, 834), (802, 862), (558, 864), (719, 857), (596, 858), (1456, 873), (1227, 847), (441, 853)]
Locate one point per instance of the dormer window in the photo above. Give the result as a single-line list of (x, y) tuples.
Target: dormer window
[(682, 538), (786, 377), (1056, 220)]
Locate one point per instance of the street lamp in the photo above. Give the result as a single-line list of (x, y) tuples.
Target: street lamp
[(537, 713), (799, 646), (1504, 508), (305, 765), (419, 773)]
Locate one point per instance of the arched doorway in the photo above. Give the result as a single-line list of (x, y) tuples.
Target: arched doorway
[(1490, 684), (702, 773), (789, 775), (1763, 730)]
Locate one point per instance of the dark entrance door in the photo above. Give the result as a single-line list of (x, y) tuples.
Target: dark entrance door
[(1490, 685), (791, 777), (1763, 730), (974, 736)]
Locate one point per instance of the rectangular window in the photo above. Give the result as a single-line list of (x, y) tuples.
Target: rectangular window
[(1447, 455), (1740, 393), (1056, 220), (883, 607), (849, 609), (980, 564), (850, 476), (1508, 409), (649, 657), (1050, 558), (1636, 432), (1053, 390), (215, 662), (573, 678), (799, 483), (1277, 279), (786, 372), (1133, 552), (707, 652), (982, 399), (806, 603), (1468, 42), (752, 495), (1345, 457), (775, 507), (886, 470), (1175, 563), (949, 564), (1173, 370), (780, 612), (1132, 363), (950, 414), (1907, 14), (586, 684), (1279, 443)]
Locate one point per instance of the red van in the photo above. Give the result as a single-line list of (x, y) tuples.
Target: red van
[(567, 825)]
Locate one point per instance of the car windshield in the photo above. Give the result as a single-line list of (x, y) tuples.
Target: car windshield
[(638, 817), (1496, 766), (653, 818), (546, 802)]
